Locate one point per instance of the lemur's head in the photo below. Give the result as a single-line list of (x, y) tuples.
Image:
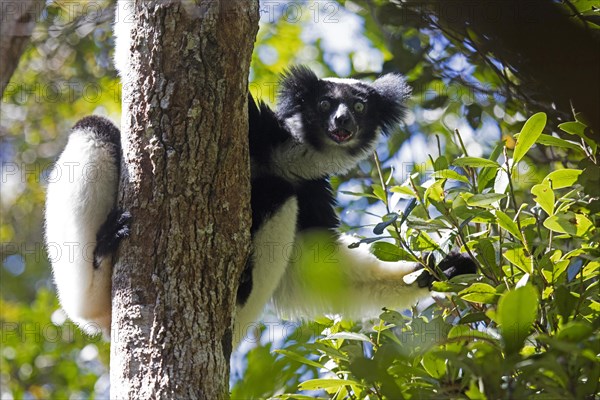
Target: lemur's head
[(335, 115)]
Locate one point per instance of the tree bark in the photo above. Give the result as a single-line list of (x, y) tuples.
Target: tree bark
[(185, 180), (17, 23)]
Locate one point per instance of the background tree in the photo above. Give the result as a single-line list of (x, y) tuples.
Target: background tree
[(546, 54), (18, 20)]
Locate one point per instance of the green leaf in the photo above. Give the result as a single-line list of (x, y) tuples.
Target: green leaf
[(467, 214), (544, 196), (573, 128), (462, 331), (529, 134), (482, 200), (450, 174), (435, 192), (487, 254), (300, 359), (393, 317), (474, 162), (445, 286), (568, 222), (579, 129), (575, 332), (403, 190), (562, 178), (479, 293), (317, 384), (434, 365), (440, 163), (388, 219), (487, 174), (552, 141), (389, 252), (358, 194), (349, 336), (517, 311), (519, 259), (470, 318), (508, 224), (379, 193), (559, 267), (408, 210), (426, 225), (565, 302)]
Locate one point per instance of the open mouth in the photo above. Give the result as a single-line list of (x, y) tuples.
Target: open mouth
[(340, 135)]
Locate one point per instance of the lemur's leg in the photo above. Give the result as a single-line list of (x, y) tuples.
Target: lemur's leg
[(83, 228), (351, 282), (274, 214)]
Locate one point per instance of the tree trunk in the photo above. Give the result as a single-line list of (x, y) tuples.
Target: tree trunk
[(185, 180), (17, 22)]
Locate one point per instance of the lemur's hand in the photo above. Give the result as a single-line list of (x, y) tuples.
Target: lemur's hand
[(112, 231), (454, 264)]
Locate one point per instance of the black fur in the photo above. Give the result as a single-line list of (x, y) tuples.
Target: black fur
[(116, 225), (105, 130), (266, 132), (268, 193), (298, 86), (454, 264), (110, 234), (316, 206)]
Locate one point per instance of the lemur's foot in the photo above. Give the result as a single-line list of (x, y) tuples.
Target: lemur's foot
[(454, 264), (110, 234)]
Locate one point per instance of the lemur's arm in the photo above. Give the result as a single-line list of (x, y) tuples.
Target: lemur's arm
[(83, 227), (325, 276), (352, 281)]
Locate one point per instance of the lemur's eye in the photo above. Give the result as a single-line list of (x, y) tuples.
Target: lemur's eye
[(324, 105), (359, 107)]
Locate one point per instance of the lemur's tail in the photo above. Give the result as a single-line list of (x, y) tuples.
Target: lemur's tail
[(81, 194)]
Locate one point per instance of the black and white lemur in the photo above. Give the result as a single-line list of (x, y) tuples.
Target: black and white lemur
[(322, 127)]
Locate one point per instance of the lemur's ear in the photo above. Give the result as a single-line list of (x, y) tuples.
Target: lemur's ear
[(296, 84), (393, 92)]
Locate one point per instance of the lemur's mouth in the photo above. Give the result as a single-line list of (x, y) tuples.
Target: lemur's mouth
[(340, 135)]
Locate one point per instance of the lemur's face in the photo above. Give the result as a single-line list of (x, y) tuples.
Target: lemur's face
[(339, 114), (342, 113)]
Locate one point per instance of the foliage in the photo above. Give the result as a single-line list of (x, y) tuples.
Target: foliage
[(525, 326), (45, 357), (530, 224)]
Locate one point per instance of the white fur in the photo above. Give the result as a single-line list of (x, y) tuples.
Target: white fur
[(361, 285), (122, 33), (271, 246), (81, 193), (347, 81)]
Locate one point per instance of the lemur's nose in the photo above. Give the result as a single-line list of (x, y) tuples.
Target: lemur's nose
[(343, 117), (342, 113)]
